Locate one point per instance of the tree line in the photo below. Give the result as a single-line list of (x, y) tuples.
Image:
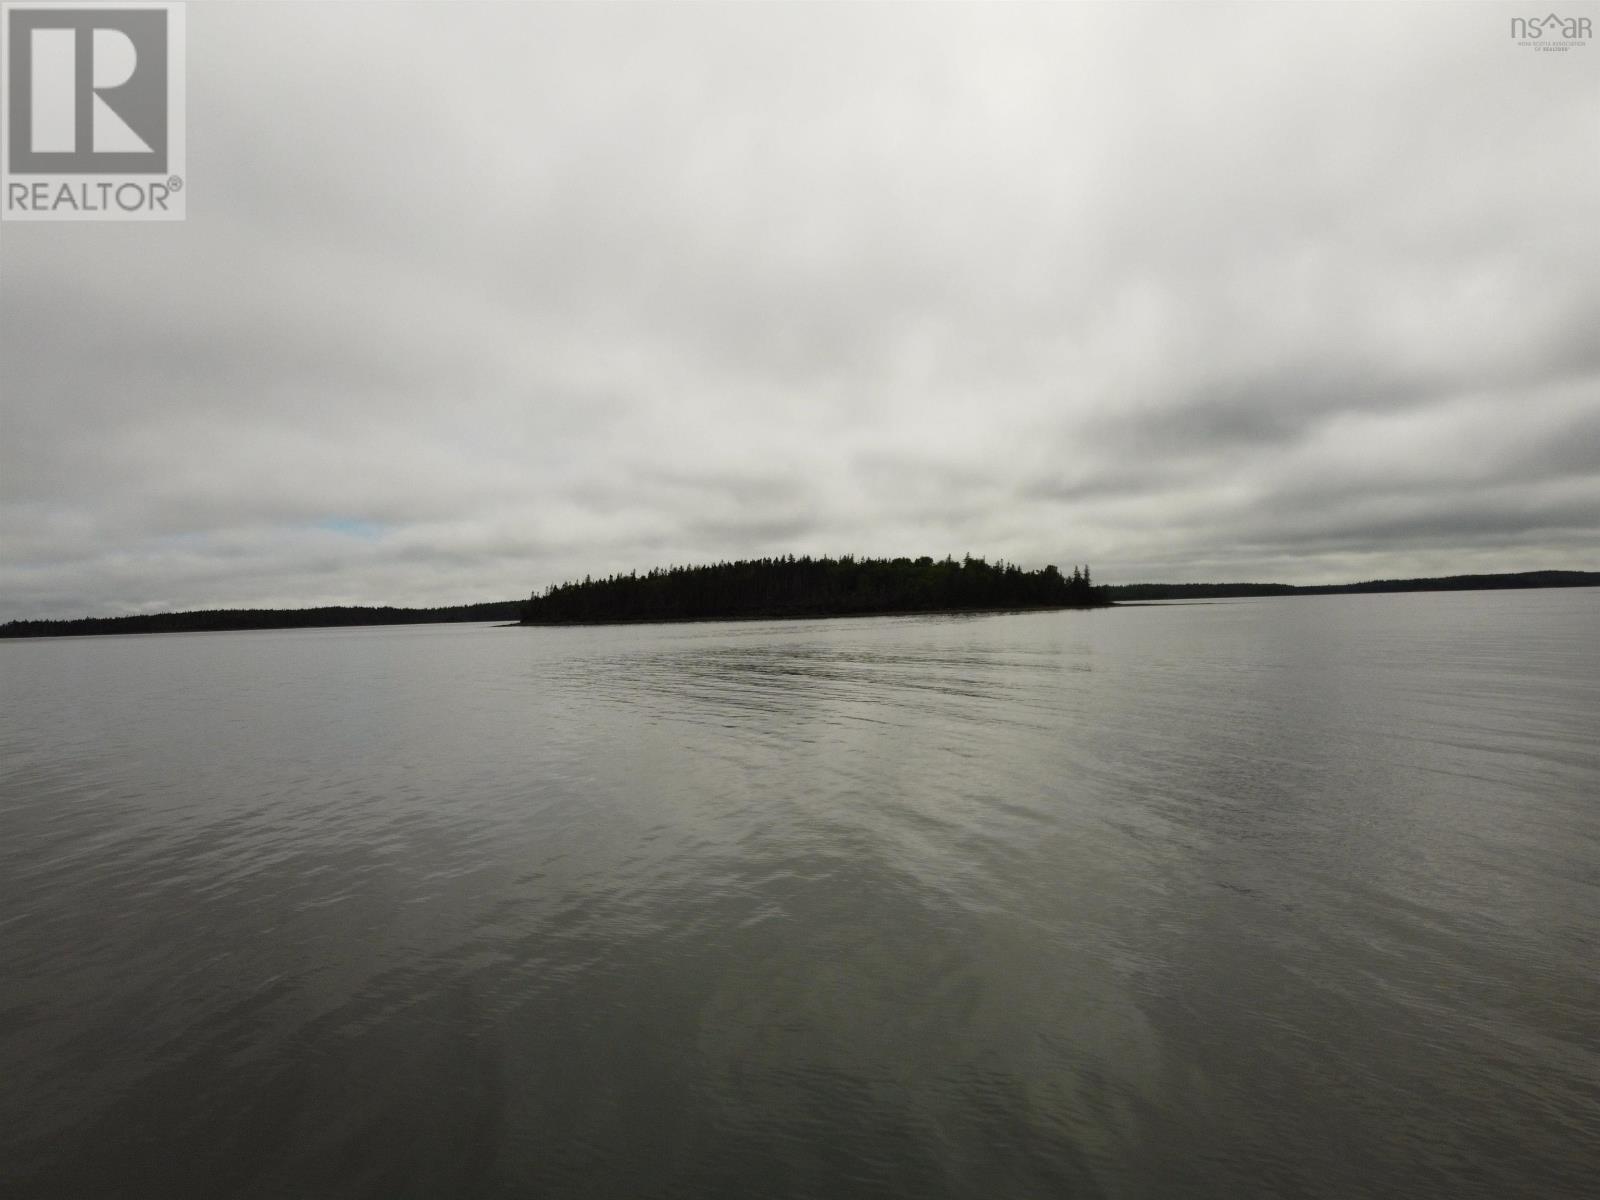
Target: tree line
[(1443, 583), (788, 586), (228, 619)]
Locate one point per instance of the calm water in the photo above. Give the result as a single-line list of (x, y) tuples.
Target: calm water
[(1284, 897)]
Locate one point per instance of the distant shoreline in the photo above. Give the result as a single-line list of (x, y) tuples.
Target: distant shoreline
[(507, 614), (1511, 581), (238, 620)]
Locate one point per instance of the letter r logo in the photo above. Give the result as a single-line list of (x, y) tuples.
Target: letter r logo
[(87, 90)]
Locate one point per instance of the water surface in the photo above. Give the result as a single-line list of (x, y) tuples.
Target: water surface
[(1279, 897)]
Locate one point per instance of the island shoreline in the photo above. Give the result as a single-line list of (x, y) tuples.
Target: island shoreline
[(826, 616)]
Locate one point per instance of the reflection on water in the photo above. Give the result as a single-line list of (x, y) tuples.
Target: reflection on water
[(1269, 897)]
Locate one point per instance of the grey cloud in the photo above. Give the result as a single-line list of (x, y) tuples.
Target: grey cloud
[(1292, 292)]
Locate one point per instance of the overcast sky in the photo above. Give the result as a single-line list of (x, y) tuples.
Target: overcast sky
[(474, 299)]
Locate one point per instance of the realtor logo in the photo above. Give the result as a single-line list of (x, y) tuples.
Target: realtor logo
[(94, 126)]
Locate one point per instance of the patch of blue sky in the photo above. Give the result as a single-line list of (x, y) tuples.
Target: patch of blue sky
[(353, 527)]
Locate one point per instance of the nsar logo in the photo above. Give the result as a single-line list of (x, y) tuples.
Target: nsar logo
[(94, 129), (1551, 31)]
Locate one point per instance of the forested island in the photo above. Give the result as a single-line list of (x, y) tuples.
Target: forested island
[(811, 587), (1443, 583)]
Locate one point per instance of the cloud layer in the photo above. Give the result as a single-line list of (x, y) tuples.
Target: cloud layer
[(473, 299)]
